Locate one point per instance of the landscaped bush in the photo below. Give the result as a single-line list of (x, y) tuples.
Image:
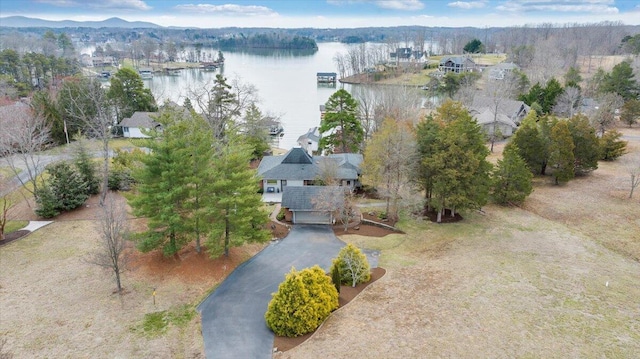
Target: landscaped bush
[(65, 190), (353, 266), (280, 216), (303, 301), (611, 146)]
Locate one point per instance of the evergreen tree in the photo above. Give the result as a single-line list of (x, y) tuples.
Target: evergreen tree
[(587, 146), (474, 46), (236, 208), (222, 108), (511, 179), (611, 146), (163, 190), (427, 134), (531, 146), (630, 112), (341, 118), (86, 168), (460, 171), (621, 82), (255, 130), (129, 95), (561, 157), (572, 78)]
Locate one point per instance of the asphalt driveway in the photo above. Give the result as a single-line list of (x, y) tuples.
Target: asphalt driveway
[(233, 324)]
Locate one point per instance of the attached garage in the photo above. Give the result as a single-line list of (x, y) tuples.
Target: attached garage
[(300, 201), (311, 217)]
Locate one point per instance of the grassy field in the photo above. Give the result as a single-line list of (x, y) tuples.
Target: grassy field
[(556, 278)]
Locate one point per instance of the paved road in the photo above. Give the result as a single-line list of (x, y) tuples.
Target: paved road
[(233, 324)]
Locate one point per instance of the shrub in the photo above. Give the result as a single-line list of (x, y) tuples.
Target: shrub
[(611, 146), (47, 203), (352, 265), (86, 168), (65, 190), (120, 180), (303, 301), (335, 277), (281, 214)]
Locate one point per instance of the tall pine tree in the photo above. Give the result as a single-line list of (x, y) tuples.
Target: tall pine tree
[(561, 158), (511, 178), (163, 189), (236, 208), (587, 147), (341, 118)]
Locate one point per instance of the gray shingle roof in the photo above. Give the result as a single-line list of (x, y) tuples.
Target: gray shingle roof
[(507, 106), (140, 120), (298, 165), (486, 117), (300, 198), (297, 155)]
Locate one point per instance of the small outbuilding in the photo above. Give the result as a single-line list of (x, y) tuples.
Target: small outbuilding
[(134, 126)]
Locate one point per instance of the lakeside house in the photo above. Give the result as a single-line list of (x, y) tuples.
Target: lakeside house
[(501, 70), (298, 168), (505, 117), (138, 123), (456, 64), (310, 140)]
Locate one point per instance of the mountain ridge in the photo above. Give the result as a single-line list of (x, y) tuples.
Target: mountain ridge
[(114, 22)]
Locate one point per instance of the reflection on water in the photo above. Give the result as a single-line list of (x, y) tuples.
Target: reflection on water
[(285, 80)]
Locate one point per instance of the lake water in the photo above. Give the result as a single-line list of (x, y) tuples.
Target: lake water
[(286, 84)]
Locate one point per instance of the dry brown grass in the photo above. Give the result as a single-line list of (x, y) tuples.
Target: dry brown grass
[(554, 279), (54, 304)]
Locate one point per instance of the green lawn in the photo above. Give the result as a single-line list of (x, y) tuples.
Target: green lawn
[(13, 226)]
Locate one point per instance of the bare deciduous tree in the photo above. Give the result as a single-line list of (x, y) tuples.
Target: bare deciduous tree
[(605, 115), (5, 207), (633, 169), (337, 200), (92, 109), (22, 136), (114, 232), (568, 102)]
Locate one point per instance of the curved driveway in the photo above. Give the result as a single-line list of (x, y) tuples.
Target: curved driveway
[(233, 324)]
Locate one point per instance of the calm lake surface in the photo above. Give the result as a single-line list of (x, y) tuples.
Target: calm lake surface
[(285, 80)]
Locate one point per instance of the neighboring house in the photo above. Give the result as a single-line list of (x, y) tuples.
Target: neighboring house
[(310, 140), (102, 61), (134, 126), (491, 123), (499, 71), (403, 53), (302, 207), (297, 168), (515, 110), (458, 64)]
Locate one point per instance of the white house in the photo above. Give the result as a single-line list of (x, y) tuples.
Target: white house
[(310, 140)]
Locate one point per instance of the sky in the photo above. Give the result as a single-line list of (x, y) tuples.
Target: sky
[(331, 13)]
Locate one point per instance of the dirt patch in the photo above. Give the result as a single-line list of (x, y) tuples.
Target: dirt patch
[(347, 294), (445, 218), (10, 237)]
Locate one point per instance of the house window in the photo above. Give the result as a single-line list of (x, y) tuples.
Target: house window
[(348, 183), (272, 181), (126, 130)]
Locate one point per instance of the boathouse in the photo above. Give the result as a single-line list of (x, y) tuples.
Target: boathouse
[(326, 77)]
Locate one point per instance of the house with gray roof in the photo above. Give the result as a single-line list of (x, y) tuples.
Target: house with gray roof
[(457, 64), (310, 140), (312, 204), (134, 126), (501, 70), (297, 168), (513, 110)]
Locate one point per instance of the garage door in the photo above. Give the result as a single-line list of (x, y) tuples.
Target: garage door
[(312, 217)]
